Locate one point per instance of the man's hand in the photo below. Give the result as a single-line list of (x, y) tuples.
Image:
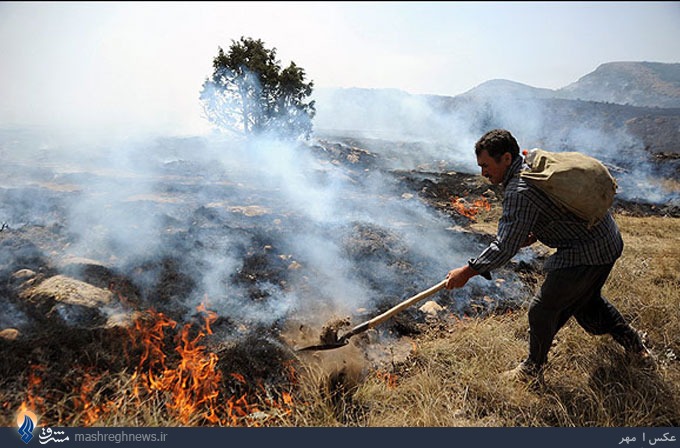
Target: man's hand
[(458, 277)]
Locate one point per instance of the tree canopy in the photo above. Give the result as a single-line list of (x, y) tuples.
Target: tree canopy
[(250, 93)]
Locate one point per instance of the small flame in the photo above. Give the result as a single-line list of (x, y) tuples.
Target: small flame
[(194, 384), (152, 337), (238, 377), (389, 379), (34, 402), (83, 401), (463, 207), (210, 316), (238, 408)]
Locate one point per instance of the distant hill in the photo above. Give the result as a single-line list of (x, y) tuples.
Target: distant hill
[(503, 87), (646, 84), (643, 84), (621, 106)]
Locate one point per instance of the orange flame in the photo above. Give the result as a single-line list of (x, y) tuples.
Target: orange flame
[(237, 409), (194, 384), (83, 401), (238, 377), (462, 206), (152, 336), (34, 402), (210, 317), (389, 379), (292, 374), (189, 383)]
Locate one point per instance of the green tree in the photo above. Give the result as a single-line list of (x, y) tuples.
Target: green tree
[(250, 93)]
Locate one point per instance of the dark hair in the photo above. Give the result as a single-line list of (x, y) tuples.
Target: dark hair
[(497, 142)]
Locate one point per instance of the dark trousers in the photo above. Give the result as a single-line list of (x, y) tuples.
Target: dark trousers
[(575, 292)]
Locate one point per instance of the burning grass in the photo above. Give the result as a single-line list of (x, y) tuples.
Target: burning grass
[(470, 210), (71, 365), (159, 372)]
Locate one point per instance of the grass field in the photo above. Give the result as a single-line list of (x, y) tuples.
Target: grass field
[(449, 378)]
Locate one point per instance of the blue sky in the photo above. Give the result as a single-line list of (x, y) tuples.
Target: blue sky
[(129, 67)]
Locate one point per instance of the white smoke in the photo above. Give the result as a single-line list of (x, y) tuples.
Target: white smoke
[(210, 202), (446, 128), (328, 201)]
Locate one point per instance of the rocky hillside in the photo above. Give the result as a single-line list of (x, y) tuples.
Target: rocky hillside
[(641, 84), (645, 84), (626, 107)]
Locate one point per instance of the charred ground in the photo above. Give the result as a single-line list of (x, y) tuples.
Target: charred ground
[(70, 317)]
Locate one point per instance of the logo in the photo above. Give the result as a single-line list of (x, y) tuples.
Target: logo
[(47, 435), (26, 421)]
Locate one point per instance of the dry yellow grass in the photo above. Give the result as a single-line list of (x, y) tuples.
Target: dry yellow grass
[(452, 379)]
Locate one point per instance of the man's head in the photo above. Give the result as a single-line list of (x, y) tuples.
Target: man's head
[(495, 151)]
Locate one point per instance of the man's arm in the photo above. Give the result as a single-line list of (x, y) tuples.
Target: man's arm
[(514, 231)]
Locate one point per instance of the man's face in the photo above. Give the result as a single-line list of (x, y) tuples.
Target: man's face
[(492, 170)]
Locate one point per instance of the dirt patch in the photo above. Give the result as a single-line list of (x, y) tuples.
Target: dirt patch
[(331, 330)]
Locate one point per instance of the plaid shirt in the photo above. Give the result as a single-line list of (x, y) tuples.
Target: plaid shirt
[(527, 209)]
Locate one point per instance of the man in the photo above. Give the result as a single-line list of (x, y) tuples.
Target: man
[(575, 273)]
